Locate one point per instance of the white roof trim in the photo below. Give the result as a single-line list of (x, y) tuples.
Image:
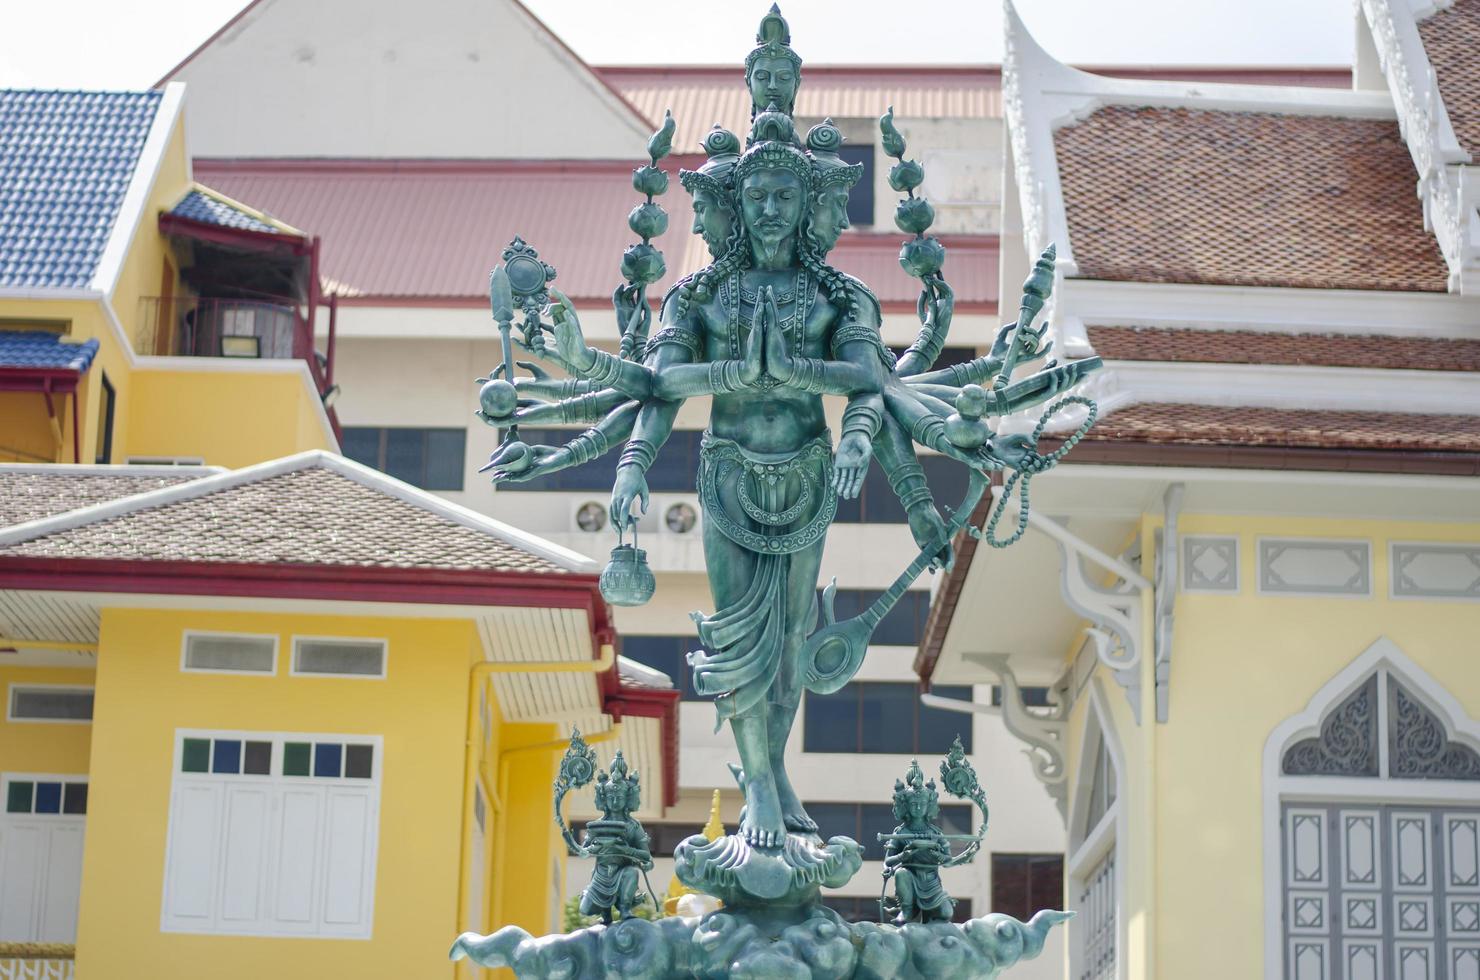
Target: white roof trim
[(1041, 94), (1286, 386), (1266, 309), (109, 469), (167, 116), (643, 674), (1449, 200), (362, 475), (42, 292)]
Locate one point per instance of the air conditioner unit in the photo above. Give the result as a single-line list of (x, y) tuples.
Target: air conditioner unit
[(592, 515), (676, 514)]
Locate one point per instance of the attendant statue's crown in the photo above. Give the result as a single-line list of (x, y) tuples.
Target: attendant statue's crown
[(773, 38), (616, 774), (915, 786)]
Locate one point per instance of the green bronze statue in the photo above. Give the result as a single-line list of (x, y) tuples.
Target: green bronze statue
[(615, 839), (917, 850), (768, 330)]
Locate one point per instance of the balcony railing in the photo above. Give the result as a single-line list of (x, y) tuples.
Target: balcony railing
[(36, 961), (212, 327)]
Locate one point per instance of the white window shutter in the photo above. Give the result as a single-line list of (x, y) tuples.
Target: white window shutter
[(63, 884), (194, 853)]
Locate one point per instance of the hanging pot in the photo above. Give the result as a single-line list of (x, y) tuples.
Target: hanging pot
[(626, 580)]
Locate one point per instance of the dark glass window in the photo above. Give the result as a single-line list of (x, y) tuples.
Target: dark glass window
[(357, 761), (106, 409), (866, 908), (864, 822), (877, 504), (1024, 883), (48, 797), (882, 717), (428, 458), (901, 626), (1033, 697), (673, 471), (326, 757), (665, 653), (258, 760), (76, 799), (227, 756), (295, 758), (861, 197)]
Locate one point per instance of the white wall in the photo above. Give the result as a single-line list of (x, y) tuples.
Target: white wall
[(383, 78)]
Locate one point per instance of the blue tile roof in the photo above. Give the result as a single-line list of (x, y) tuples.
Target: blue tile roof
[(66, 159), (202, 207), (40, 349)]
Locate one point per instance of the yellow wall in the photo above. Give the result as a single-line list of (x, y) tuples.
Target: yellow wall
[(228, 418), (43, 747), (1242, 665), (143, 697)]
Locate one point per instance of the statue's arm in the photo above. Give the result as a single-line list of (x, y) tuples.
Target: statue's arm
[(517, 462), (651, 428), (936, 307)]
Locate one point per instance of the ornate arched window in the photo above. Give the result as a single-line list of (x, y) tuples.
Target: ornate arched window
[(1373, 830), (1095, 841)]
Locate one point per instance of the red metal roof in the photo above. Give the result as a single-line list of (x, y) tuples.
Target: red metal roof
[(702, 95), (398, 231)]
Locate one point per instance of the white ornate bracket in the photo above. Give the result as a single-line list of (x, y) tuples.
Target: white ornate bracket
[(1041, 731), (1168, 580)]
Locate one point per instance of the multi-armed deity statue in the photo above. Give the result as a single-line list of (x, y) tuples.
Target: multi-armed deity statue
[(768, 329)]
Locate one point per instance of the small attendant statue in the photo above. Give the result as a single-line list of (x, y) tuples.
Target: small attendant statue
[(615, 839), (915, 852)]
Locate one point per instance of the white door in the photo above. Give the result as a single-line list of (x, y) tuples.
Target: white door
[(41, 858)]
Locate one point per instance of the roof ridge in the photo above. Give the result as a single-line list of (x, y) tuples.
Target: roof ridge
[(311, 459)]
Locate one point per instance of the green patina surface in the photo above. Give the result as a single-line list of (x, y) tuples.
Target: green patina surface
[(767, 330)]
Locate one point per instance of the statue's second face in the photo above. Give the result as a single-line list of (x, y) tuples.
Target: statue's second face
[(772, 203), (773, 79), (830, 216), (616, 797), (713, 220)]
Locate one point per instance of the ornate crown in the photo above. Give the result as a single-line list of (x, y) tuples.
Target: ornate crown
[(618, 773), (723, 149), (824, 140), (770, 154), (915, 786), (773, 38)]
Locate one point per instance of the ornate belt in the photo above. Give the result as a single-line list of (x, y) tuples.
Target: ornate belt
[(774, 490)]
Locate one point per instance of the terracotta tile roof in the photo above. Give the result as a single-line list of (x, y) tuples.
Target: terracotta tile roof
[(1451, 38), (1242, 198), (1252, 347), (29, 495), (431, 230), (309, 516), (1218, 425)]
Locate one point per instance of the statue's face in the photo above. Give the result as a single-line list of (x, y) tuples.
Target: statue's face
[(830, 216), (616, 797), (713, 220), (773, 79), (772, 202), (916, 806)]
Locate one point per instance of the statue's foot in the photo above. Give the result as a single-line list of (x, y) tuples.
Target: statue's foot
[(762, 824), (793, 814)]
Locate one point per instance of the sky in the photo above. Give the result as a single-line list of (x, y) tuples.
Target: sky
[(131, 43)]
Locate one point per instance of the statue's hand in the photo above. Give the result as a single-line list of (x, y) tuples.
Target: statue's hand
[(516, 462), (1015, 449), (753, 366), (851, 463), (631, 486), (778, 353), (570, 344), (930, 528)]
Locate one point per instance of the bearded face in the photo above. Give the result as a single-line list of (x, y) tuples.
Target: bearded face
[(772, 202), (714, 220), (829, 216)]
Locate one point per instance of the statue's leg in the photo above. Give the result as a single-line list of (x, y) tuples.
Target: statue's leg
[(904, 891), (626, 891), (731, 570), (786, 693)]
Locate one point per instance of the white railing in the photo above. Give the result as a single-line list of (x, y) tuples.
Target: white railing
[(26, 961)]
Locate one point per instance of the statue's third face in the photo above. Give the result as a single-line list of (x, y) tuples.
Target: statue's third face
[(772, 203), (713, 220), (830, 216), (773, 79)]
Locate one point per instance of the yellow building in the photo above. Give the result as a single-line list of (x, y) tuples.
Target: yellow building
[(1254, 589), (267, 711), (142, 316), (305, 717)]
